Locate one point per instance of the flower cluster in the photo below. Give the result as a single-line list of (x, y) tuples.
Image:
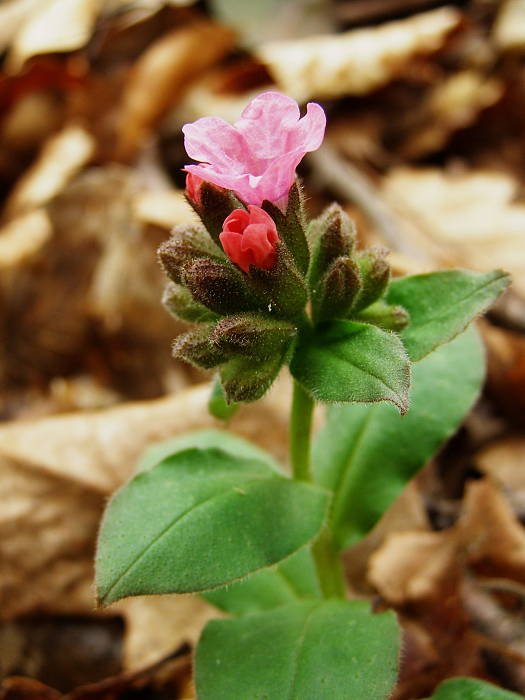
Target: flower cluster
[(247, 275)]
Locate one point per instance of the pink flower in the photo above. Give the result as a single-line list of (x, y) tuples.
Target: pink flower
[(193, 187), (257, 157), (249, 238)]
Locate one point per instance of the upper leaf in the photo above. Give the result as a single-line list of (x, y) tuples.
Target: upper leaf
[(326, 650), (442, 304), (201, 519), (205, 439), (348, 361), (367, 454), (472, 689)]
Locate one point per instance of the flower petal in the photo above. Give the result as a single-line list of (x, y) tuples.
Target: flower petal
[(265, 124), (213, 140)]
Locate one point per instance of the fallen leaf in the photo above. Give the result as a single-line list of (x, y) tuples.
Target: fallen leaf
[(156, 625), (355, 62), (165, 208), (452, 104), (491, 536), (509, 29), (413, 566), (60, 159), (161, 75), (23, 237), (506, 371), (54, 26), (469, 219)]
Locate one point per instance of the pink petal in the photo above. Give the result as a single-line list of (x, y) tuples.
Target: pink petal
[(212, 140), (264, 124), (276, 181), (311, 127), (240, 184)]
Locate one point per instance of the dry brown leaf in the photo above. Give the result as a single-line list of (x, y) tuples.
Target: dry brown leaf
[(53, 26), (356, 62), (157, 625), (47, 526), (60, 159), (471, 219), (509, 30), (506, 370), (413, 566), (503, 461), (23, 237), (406, 513), (453, 104), (13, 14), (490, 534), (161, 75), (57, 472), (419, 566), (165, 208)]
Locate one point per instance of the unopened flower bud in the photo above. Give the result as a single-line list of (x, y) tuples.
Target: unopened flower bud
[(249, 238), (337, 290), (196, 348), (193, 188), (332, 235), (391, 318), (244, 380), (282, 287), (219, 287), (212, 204), (291, 226), (180, 303), (375, 275), (252, 335), (185, 245)]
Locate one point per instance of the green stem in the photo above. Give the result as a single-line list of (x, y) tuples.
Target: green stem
[(300, 429), (329, 566), (327, 560)]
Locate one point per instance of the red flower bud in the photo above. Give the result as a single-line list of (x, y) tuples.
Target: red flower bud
[(249, 238), (193, 187)]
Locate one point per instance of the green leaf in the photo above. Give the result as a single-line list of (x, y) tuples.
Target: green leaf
[(217, 405), (324, 650), (291, 580), (201, 519), (442, 304), (347, 361), (205, 439), (472, 689), (367, 454)]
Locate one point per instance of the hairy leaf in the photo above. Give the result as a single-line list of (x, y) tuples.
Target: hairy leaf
[(367, 454), (201, 519), (442, 304), (324, 650), (346, 361)]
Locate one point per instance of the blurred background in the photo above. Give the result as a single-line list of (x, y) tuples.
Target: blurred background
[(425, 147)]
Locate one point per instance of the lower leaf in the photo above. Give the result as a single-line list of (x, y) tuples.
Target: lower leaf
[(327, 650), (201, 519), (472, 689)]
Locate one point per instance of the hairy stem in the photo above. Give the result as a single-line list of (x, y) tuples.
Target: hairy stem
[(300, 429), (327, 560)]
